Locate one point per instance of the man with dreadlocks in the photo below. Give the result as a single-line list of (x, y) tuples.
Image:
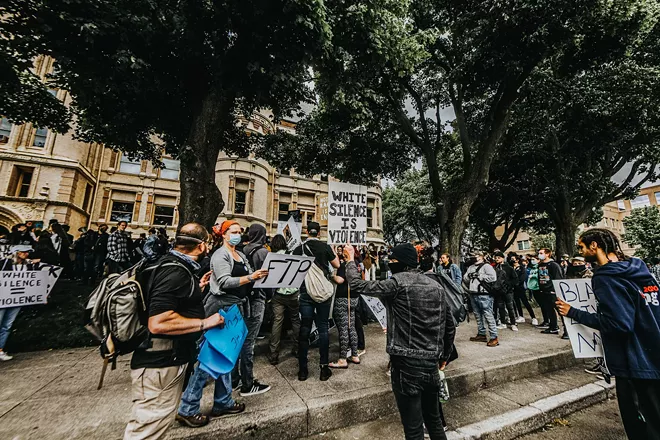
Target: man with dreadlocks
[(628, 318)]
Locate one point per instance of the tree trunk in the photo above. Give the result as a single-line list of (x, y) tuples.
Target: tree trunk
[(457, 225), (565, 235), (201, 200)]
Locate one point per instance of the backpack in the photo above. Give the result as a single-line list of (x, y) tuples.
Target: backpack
[(319, 288), (116, 312), (454, 294), (490, 288)]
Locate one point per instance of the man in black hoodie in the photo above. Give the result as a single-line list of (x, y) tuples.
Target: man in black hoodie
[(256, 253), (628, 317), (549, 270)]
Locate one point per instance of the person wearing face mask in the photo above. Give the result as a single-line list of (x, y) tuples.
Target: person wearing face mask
[(231, 283), (533, 286), (478, 278), (420, 337), (176, 321), (549, 270)]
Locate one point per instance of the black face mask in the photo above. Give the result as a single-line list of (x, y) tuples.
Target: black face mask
[(397, 267)]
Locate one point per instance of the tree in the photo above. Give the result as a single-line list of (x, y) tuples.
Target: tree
[(175, 75), (408, 212), (395, 65), (544, 241), (643, 229)]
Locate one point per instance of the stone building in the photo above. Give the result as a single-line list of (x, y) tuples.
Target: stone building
[(45, 175)]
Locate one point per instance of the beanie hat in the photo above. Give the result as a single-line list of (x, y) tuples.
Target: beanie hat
[(224, 227), (406, 254)]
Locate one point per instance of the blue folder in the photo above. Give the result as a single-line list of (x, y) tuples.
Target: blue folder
[(222, 346)]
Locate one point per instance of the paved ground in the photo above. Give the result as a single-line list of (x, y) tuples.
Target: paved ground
[(599, 422), (52, 395)]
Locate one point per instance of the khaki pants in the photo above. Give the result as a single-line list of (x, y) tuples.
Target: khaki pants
[(156, 396)]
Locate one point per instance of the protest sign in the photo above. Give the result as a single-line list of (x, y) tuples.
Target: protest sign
[(586, 342), (284, 271), (222, 346), (347, 213), (291, 232), (5, 251), (23, 288), (53, 274), (377, 308)]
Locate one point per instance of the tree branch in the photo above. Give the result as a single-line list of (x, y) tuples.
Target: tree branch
[(420, 109)]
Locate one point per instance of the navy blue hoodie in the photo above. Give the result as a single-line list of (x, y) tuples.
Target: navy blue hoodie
[(628, 318)]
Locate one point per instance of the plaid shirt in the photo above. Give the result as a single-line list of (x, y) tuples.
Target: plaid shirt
[(118, 247)]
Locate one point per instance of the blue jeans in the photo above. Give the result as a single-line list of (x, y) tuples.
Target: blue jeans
[(307, 308), (253, 323), (483, 311), (192, 396), (7, 317)]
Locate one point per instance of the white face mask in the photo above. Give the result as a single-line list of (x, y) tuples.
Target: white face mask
[(542, 257)]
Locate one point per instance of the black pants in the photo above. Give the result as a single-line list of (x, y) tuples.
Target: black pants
[(359, 329), (539, 300), (548, 304), (505, 304), (417, 397), (520, 300), (639, 405)]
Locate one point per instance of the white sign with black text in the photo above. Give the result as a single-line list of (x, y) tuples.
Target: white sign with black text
[(291, 232), (284, 271), (347, 213), (378, 309), (23, 288), (586, 341)]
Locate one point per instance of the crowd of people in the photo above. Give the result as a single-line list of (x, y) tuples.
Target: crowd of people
[(216, 270)]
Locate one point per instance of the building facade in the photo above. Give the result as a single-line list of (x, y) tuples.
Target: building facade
[(45, 175)]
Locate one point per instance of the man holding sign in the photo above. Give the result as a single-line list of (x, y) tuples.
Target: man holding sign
[(628, 316)]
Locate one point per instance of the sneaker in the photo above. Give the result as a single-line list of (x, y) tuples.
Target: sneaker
[(194, 421), (565, 336), (257, 388), (479, 338), (273, 359), (303, 374), (535, 322), (550, 331), (593, 370), (520, 320), (389, 372), (514, 328), (326, 373), (5, 357), (493, 343), (501, 326), (426, 432), (237, 408), (543, 326)]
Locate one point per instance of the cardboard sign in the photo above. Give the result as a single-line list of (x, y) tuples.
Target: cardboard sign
[(377, 308), (586, 342), (222, 346), (284, 271), (347, 213), (23, 288), (291, 232)]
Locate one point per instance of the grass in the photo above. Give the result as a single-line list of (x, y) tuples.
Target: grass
[(57, 324)]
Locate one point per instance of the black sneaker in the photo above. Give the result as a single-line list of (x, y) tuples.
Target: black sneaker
[(565, 336), (257, 388), (273, 359), (593, 370), (326, 373), (194, 421), (303, 374), (550, 331)]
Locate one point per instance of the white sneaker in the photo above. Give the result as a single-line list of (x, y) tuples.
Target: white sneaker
[(501, 326), (535, 321), (514, 328), (520, 320), (5, 357)]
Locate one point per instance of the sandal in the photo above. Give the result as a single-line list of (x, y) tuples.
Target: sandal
[(338, 366), (354, 360)]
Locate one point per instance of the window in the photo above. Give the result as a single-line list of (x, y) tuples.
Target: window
[(523, 245), (87, 201), (164, 215), (324, 177), (40, 137), (283, 214), (122, 211), (310, 217), (129, 166), (171, 170), (640, 202), (657, 198), (284, 172), (241, 200), (19, 183), (621, 204), (5, 130), (370, 217)]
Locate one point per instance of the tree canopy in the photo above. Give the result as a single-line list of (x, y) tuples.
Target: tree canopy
[(643, 229)]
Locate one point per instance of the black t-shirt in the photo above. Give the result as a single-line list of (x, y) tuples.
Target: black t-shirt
[(322, 252), (171, 290), (342, 289), (240, 270)]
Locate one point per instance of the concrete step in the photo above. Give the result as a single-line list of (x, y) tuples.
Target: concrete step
[(502, 412)]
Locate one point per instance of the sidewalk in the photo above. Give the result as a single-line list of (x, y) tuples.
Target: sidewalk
[(52, 395)]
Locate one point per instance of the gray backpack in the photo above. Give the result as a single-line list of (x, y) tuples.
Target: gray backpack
[(116, 312)]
